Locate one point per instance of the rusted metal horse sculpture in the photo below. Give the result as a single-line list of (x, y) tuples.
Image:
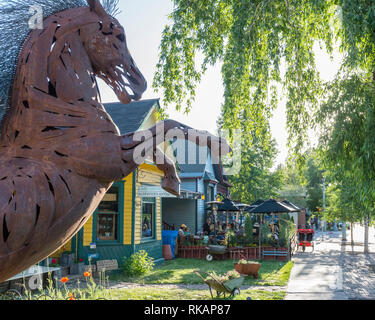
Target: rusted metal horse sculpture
[(59, 150)]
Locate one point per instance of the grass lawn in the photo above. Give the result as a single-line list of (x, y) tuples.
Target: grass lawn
[(180, 271), (188, 294)]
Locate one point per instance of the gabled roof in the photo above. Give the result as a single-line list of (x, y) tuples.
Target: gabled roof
[(223, 178), (190, 168), (210, 177), (198, 169), (130, 117)]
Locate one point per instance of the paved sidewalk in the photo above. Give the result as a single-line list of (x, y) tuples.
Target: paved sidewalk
[(359, 268), (318, 275), (335, 270)]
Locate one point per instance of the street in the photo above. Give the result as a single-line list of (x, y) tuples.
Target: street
[(335, 270)]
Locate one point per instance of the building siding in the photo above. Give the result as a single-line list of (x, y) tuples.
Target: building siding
[(128, 209), (147, 174), (65, 247), (180, 211), (200, 205), (189, 185), (88, 231)]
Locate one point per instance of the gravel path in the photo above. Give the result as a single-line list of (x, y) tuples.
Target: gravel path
[(126, 285)]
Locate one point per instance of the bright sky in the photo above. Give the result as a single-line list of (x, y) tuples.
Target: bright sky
[(144, 21)]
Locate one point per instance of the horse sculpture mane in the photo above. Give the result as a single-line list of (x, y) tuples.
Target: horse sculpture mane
[(14, 29), (59, 149)]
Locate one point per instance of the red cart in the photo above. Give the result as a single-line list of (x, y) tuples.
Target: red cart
[(305, 238)]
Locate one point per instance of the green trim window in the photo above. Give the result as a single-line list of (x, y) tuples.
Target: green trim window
[(108, 216), (148, 218)]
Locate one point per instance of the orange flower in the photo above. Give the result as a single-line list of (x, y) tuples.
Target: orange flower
[(65, 279), (87, 274), (71, 297)]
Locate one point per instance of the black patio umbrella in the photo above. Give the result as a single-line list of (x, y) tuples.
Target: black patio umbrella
[(270, 206), (292, 205), (257, 203), (273, 206), (228, 205), (254, 205)]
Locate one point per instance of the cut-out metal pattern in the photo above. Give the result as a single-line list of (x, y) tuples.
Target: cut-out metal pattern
[(59, 150)]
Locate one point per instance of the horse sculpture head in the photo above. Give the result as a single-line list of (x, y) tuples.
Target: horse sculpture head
[(105, 44), (97, 35)]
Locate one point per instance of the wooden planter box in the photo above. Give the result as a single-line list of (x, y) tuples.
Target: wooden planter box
[(251, 268)]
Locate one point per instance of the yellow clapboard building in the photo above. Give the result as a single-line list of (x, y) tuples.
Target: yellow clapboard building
[(129, 218)]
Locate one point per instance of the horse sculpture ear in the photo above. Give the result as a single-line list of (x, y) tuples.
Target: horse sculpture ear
[(97, 7)]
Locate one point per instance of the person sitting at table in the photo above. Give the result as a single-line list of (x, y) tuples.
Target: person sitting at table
[(224, 227), (219, 229), (187, 231), (206, 226), (212, 230), (181, 231), (181, 234), (240, 231)]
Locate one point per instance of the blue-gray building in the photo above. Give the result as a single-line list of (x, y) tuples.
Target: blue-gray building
[(202, 178)]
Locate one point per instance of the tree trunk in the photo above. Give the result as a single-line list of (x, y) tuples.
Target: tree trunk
[(366, 223), (351, 233), (343, 230)]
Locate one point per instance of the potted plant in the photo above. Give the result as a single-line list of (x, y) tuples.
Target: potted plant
[(247, 267)]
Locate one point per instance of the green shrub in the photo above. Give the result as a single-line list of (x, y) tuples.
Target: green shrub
[(283, 235), (230, 238), (266, 234), (248, 230), (138, 263)]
